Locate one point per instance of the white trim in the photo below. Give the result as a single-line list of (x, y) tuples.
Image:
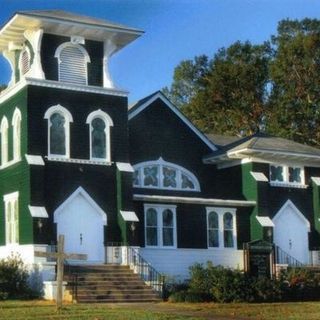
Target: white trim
[(180, 115), (68, 118), (265, 221), (229, 164), (11, 196), (20, 64), (4, 141), (82, 161), (259, 176), (221, 212), (191, 200), (124, 167), (16, 124), (290, 204), (99, 114), (316, 180), (84, 193), (11, 201), (12, 90), (38, 212), (129, 216), (285, 174), (159, 208), (160, 163), (34, 160)]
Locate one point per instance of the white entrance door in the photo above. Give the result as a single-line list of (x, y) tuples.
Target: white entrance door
[(82, 221), (291, 232)]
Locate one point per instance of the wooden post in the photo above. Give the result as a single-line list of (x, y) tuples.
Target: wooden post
[(60, 256)]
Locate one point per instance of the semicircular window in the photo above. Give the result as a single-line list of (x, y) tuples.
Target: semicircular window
[(161, 174)]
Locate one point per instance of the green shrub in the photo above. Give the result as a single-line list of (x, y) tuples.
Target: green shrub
[(14, 279)]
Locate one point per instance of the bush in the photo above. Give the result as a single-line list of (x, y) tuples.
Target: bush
[(14, 279)]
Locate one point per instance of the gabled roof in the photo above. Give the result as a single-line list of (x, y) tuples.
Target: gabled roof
[(68, 24), (147, 102), (265, 147)]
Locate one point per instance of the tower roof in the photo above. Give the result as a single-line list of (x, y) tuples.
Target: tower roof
[(67, 24)]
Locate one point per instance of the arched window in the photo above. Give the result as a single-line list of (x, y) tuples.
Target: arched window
[(72, 61), (100, 123), (4, 140), (59, 119), (161, 174), (213, 229), (24, 61), (16, 124), (228, 230)]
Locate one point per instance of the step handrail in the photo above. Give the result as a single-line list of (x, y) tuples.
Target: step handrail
[(283, 257), (145, 270)]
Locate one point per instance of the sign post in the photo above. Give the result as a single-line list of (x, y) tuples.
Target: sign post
[(60, 256)]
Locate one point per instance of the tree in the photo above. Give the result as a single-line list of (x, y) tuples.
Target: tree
[(229, 98), (295, 75), (2, 87)]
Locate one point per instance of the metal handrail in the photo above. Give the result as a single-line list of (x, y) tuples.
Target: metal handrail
[(145, 270), (283, 257)]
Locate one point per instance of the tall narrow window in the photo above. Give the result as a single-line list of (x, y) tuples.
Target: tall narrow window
[(100, 123), (72, 60), (160, 226), (228, 230), (4, 141), (59, 119), (16, 124), (11, 204), (213, 229)]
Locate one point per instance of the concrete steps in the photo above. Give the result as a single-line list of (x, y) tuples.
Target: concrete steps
[(108, 283)]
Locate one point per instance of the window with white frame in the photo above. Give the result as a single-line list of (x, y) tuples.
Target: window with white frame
[(4, 140), (72, 61), (160, 226), (24, 61), (286, 175), (11, 205), (99, 126), (59, 119), (161, 174), (16, 124), (221, 228)]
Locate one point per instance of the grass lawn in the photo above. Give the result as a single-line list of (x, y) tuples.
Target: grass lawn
[(35, 310)]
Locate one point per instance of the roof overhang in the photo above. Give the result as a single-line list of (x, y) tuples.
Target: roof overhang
[(263, 155), (191, 200), (13, 30)]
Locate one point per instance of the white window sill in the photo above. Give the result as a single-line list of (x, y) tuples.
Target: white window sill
[(221, 248), (9, 163), (82, 161), (288, 185), (159, 247)]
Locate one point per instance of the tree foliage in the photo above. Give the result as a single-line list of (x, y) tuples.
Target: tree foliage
[(274, 85)]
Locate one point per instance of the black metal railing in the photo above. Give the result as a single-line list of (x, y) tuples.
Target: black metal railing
[(283, 257), (145, 270)]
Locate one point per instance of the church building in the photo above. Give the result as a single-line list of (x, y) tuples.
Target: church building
[(77, 161)]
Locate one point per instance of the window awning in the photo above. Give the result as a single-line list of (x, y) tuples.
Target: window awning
[(129, 216), (265, 221), (125, 167), (38, 212)]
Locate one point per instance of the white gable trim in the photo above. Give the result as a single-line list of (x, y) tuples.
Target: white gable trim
[(85, 194), (290, 204), (180, 115)]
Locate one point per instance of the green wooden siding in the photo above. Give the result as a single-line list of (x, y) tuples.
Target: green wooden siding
[(17, 176), (250, 191)]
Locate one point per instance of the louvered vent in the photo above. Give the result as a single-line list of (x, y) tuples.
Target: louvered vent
[(73, 66), (25, 62)]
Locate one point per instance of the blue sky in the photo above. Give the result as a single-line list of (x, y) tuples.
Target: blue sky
[(174, 30)]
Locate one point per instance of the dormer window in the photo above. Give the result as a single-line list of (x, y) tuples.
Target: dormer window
[(72, 61), (24, 61), (282, 175)]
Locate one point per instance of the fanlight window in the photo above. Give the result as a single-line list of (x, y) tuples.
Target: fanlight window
[(72, 60), (59, 120), (25, 61), (100, 123), (164, 175)]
